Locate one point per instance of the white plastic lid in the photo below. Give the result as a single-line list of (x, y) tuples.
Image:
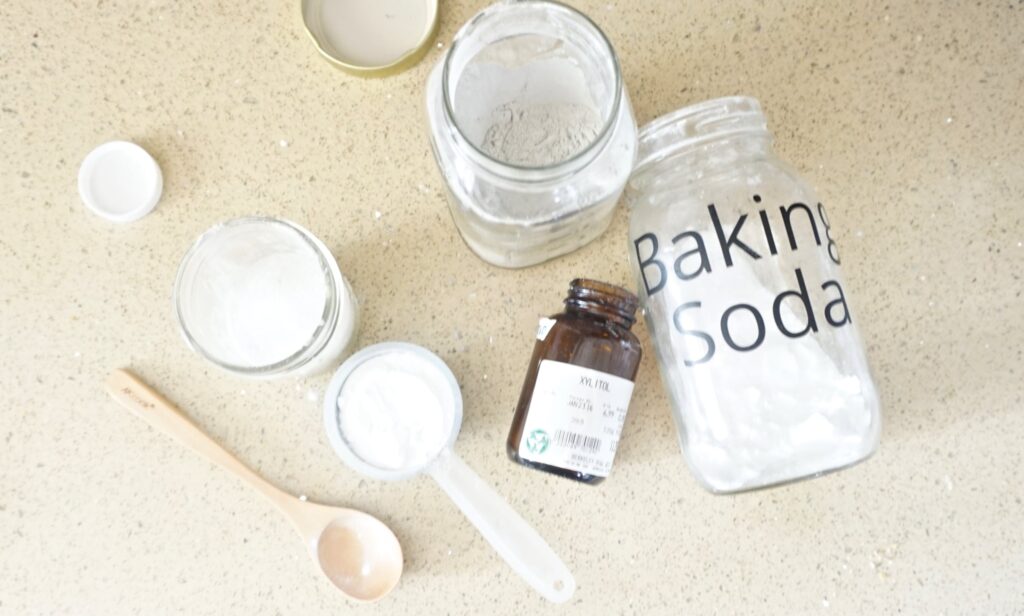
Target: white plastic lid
[(120, 181)]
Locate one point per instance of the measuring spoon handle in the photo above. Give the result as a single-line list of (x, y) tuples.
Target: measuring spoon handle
[(510, 535)]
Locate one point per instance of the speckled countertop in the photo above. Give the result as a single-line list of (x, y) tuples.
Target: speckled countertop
[(907, 116)]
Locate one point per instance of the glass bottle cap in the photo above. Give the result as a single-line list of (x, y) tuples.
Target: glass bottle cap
[(371, 38)]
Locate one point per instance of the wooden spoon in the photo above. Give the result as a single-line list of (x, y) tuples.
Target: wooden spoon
[(356, 551)]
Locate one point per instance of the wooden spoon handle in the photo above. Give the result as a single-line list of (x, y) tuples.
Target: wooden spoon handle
[(147, 403)]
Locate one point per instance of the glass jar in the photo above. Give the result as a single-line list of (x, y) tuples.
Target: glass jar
[(262, 298), (532, 130), (740, 282), (578, 386)]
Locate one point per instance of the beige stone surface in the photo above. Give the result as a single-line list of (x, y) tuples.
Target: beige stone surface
[(908, 117)]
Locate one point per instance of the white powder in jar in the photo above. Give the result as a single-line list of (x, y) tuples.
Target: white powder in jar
[(255, 292), (396, 410), (539, 135), (526, 101), (782, 412)]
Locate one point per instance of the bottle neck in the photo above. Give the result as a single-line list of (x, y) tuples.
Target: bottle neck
[(603, 301), (695, 141)]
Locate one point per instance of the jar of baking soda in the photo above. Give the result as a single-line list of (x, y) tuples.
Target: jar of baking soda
[(739, 276)]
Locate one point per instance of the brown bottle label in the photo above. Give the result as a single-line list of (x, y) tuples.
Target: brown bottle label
[(575, 418)]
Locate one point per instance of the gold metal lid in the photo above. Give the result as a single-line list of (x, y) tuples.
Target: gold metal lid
[(371, 38)]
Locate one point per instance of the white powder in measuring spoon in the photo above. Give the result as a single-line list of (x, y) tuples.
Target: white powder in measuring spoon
[(396, 411)]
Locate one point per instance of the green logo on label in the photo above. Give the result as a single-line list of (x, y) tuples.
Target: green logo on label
[(538, 441)]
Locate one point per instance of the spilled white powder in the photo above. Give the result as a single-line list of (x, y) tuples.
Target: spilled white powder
[(396, 410), (541, 134)]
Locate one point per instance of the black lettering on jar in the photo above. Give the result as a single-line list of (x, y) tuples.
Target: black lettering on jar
[(708, 340), (768, 232), (787, 212), (703, 266), (805, 299), (840, 301), (650, 261), (833, 248), (727, 332), (733, 239)]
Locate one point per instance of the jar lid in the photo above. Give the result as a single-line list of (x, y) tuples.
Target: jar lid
[(120, 181), (371, 38)]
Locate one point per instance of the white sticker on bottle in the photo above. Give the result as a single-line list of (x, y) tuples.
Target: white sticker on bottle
[(544, 327), (575, 418)]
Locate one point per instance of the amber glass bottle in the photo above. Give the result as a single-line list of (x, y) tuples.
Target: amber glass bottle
[(578, 385)]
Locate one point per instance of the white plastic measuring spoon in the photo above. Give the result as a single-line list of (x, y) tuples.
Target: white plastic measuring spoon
[(510, 535)]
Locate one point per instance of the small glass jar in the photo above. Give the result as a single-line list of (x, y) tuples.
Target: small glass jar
[(532, 130), (578, 386), (740, 281), (264, 298)]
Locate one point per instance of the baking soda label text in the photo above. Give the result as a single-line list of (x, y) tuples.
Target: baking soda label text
[(722, 245)]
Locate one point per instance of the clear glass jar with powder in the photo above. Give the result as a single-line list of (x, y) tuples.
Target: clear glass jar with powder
[(532, 130), (739, 276), (264, 298)]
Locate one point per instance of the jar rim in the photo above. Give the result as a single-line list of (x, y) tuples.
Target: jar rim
[(541, 171), (314, 344), (696, 125)]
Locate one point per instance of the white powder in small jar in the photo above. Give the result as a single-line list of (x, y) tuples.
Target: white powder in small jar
[(255, 293), (396, 411)]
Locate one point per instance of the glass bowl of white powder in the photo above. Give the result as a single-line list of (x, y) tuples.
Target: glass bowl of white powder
[(262, 298), (532, 130)]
